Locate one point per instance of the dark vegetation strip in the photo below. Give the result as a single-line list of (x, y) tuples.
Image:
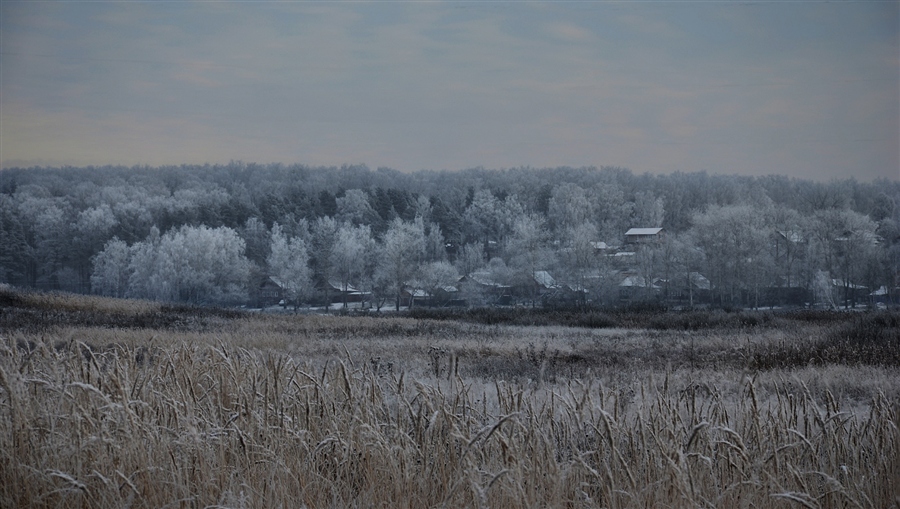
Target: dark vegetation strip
[(35, 312), (857, 338), (850, 338), (633, 318)]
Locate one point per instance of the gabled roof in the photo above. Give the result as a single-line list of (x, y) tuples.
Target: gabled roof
[(852, 286), (866, 236), (643, 231), (880, 292), (274, 280), (792, 236), (636, 282), (421, 293), (484, 278), (699, 281), (695, 279), (336, 285), (543, 278)]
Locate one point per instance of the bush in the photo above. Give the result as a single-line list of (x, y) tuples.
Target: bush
[(871, 339)]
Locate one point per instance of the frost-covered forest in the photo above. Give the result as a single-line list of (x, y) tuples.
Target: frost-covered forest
[(248, 234)]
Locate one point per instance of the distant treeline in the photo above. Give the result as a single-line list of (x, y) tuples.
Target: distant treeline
[(216, 233)]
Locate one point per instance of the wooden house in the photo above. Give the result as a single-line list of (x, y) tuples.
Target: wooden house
[(644, 236)]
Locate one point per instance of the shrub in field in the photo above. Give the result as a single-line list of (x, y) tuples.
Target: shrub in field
[(716, 319), (869, 339), (866, 339)]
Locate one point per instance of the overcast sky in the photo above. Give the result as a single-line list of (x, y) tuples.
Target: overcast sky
[(805, 88)]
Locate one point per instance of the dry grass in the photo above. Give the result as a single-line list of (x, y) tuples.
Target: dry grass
[(290, 411)]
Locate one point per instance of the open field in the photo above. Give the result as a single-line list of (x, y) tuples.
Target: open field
[(107, 403)]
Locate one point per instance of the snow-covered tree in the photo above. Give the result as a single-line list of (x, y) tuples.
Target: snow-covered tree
[(470, 258), (52, 237), (209, 263), (790, 238), (16, 254), (648, 211), (111, 269), (354, 208), (423, 208), (579, 257), (194, 264), (146, 279), (569, 207), (435, 247), (323, 235), (490, 220), (735, 241), (527, 250), (257, 239), (350, 254), (844, 244), (402, 249), (612, 212), (680, 267), (436, 278), (90, 230), (288, 263)]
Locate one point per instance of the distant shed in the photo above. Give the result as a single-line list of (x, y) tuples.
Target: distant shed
[(644, 235)]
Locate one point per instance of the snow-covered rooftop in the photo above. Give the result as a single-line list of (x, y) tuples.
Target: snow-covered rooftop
[(543, 278), (636, 282), (643, 231)]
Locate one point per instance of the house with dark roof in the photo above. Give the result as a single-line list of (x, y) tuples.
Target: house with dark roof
[(633, 288), (270, 292), (480, 288)]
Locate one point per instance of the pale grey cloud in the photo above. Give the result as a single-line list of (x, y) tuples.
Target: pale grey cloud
[(803, 89)]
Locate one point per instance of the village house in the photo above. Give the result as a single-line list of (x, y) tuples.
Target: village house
[(635, 288), (686, 290), (644, 236), (444, 296), (269, 292), (480, 288), (335, 292)]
